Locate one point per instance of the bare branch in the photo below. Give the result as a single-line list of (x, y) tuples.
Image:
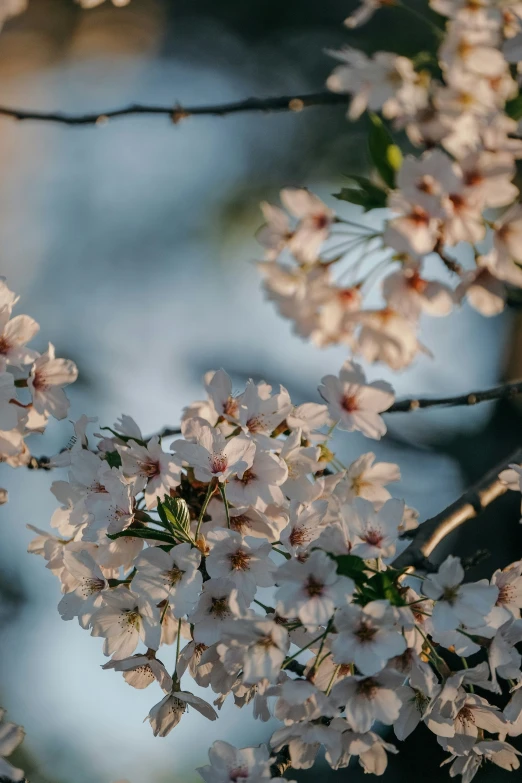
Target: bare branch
[(278, 103), (430, 534), (505, 392)]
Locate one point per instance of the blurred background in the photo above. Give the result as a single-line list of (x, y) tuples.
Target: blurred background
[(133, 245)]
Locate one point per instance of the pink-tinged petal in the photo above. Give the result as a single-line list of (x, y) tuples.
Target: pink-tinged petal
[(20, 329)]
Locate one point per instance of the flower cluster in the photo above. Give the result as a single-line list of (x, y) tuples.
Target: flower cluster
[(31, 384), (458, 191), (247, 546)]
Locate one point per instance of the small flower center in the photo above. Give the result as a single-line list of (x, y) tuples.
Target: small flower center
[(173, 576), (218, 463), (238, 773), (368, 688), (4, 346), (248, 476), (92, 585), (450, 594), (219, 607), (373, 537), (240, 560), (150, 468), (320, 221), (131, 618), (349, 403), (365, 632), (298, 536), (313, 587)]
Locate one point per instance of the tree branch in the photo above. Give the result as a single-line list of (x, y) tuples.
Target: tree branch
[(176, 113), (505, 392), (430, 534)]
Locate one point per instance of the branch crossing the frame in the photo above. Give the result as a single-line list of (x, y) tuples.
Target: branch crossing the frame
[(177, 112)]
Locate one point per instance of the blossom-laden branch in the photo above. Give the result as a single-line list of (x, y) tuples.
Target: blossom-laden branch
[(433, 531), (505, 392), (176, 113)]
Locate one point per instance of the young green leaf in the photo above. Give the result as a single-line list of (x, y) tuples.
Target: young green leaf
[(385, 155), (143, 532)]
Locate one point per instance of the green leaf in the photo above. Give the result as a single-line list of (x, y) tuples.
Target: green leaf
[(368, 195), (113, 458), (352, 566), (385, 155), (143, 532), (124, 438), (513, 108), (175, 517), (384, 585), (177, 512)]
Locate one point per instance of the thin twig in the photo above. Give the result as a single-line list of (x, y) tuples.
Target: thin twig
[(277, 103), (504, 392), (430, 534)]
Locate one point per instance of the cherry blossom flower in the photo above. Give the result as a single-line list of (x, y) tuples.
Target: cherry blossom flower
[(261, 412), (376, 533), (300, 700), (366, 478), (456, 604), (410, 294), (249, 521), (315, 220), (82, 601), (123, 619), (214, 457), (367, 636), (171, 576), (48, 375), (387, 336), (152, 469), (260, 484), (355, 404), (213, 609), (229, 764), (369, 699), (311, 590), (142, 670), (483, 287), (14, 334), (166, 715), (308, 417), (244, 561), (262, 645), (415, 231), (304, 526), (386, 81), (301, 462)]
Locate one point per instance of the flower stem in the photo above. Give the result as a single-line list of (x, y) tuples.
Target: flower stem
[(225, 502), (178, 641), (291, 657), (332, 680), (210, 492)]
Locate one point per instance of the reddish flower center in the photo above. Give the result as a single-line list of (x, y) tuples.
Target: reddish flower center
[(4, 346), (151, 468), (218, 463), (320, 221), (373, 537), (349, 403)]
